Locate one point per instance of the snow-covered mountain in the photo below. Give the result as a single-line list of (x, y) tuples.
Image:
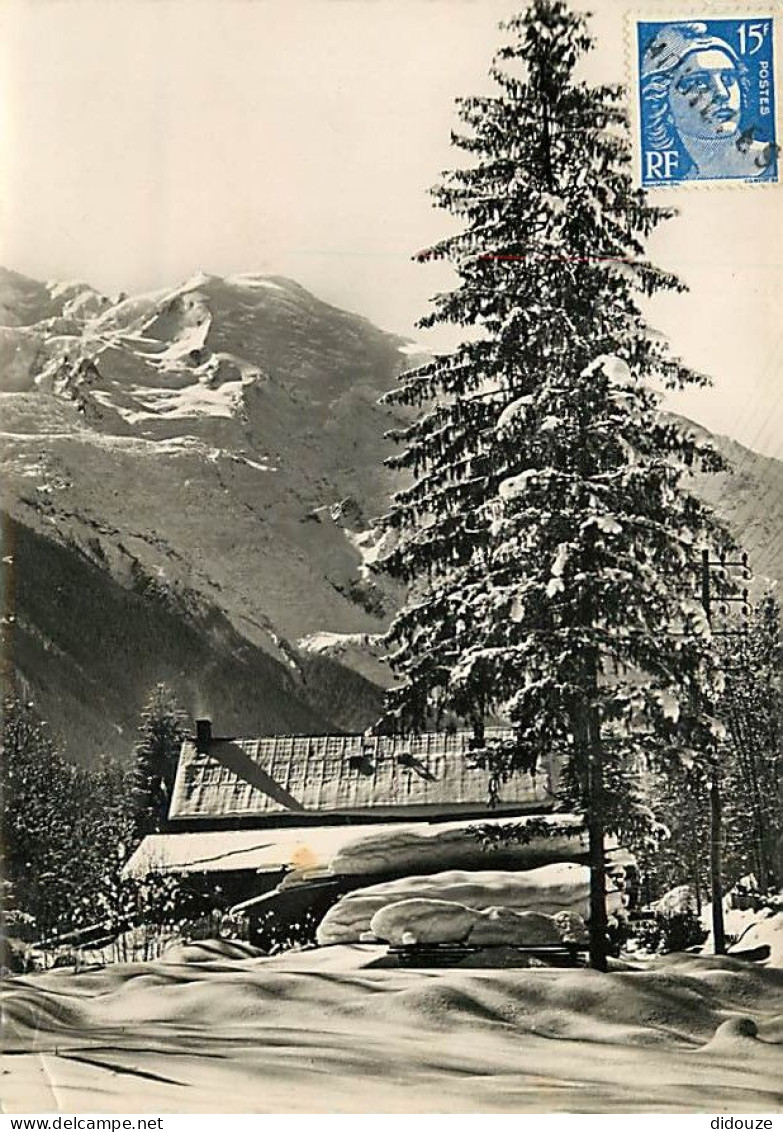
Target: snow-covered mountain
[(214, 451), (750, 501), (190, 478)]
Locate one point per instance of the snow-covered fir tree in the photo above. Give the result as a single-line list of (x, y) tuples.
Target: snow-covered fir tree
[(547, 535), (162, 729)]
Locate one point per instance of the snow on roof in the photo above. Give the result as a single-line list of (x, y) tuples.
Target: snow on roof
[(271, 850), (311, 774), (241, 849)]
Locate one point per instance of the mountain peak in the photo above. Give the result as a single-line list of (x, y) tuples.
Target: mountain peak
[(192, 442), (216, 449)]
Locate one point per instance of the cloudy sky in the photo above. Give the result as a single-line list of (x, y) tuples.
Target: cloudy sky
[(142, 140)]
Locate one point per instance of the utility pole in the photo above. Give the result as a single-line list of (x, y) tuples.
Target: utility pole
[(716, 807)]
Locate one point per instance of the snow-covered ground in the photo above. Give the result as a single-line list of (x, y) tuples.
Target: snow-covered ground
[(750, 929), (212, 1028)]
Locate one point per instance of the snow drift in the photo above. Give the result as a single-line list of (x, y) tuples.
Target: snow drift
[(331, 1030)]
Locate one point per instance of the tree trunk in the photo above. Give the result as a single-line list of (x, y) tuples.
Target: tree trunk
[(595, 831), (716, 869), (695, 861)]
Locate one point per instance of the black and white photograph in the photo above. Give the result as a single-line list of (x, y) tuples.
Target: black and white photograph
[(391, 455)]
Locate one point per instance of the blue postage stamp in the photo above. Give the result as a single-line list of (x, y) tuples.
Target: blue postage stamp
[(707, 100)]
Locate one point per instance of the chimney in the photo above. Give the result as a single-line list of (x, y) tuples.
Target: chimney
[(203, 735)]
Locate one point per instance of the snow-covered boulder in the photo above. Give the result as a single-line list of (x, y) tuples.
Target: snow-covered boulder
[(549, 890), (517, 485)]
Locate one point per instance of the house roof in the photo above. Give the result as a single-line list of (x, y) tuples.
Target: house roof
[(229, 850), (341, 774)]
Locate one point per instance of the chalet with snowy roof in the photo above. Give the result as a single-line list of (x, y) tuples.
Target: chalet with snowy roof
[(289, 780), (245, 814)]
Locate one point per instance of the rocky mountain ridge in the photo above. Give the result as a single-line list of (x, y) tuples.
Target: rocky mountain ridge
[(215, 449), (190, 478)]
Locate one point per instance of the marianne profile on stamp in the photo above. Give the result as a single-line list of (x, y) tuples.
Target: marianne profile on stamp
[(707, 101)]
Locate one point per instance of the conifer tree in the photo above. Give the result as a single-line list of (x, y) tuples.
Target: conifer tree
[(547, 536), (61, 824), (681, 852), (162, 730), (39, 806)]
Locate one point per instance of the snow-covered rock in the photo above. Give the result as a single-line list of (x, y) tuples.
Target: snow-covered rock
[(517, 485), (334, 644), (348, 921)]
